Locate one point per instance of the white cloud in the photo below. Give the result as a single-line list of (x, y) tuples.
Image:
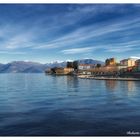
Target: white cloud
[(12, 53), (25, 38), (82, 34), (77, 50), (122, 46), (69, 60), (135, 57)]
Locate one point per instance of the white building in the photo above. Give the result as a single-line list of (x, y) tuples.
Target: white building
[(85, 66)]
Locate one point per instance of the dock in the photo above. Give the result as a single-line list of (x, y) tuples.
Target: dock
[(108, 78)]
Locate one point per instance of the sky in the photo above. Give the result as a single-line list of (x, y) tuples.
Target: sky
[(60, 32)]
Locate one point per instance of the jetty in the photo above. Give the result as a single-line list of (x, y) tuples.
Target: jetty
[(108, 78)]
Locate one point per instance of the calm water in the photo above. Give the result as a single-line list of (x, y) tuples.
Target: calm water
[(36, 104)]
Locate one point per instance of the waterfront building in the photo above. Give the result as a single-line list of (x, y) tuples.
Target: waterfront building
[(64, 71), (137, 63), (48, 71), (110, 61), (60, 71), (68, 70), (85, 66), (113, 70), (104, 70), (128, 62)]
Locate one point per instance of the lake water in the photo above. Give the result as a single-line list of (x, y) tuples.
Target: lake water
[(40, 105)]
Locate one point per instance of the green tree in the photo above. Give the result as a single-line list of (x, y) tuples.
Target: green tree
[(98, 65), (69, 64), (75, 65)]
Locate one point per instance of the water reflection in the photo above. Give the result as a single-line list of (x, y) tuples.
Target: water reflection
[(72, 83), (131, 86), (111, 84)]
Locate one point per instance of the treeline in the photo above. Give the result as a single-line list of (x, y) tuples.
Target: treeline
[(73, 64)]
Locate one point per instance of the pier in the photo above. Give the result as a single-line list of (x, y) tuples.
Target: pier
[(108, 78)]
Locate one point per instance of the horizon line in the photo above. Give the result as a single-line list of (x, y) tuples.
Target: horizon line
[(60, 61)]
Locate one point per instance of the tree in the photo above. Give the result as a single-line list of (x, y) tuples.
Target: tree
[(107, 62), (98, 65), (53, 70), (69, 64), (75, 65)]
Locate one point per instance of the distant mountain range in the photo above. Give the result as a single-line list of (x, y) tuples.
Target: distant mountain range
[(34, 67), (89, 61)]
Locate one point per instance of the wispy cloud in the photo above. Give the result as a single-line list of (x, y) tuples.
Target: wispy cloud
[(12, 53), (77, 50), (70, 29), (123, 47), (28, 38), (135, 57), (13, 38), (83, 34)]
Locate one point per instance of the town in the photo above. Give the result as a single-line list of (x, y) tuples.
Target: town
[(126, 68)]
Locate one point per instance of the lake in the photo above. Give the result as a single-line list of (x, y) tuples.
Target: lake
[(43, 105)]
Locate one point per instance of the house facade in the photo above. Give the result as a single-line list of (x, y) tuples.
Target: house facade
[(128, 62), (137, 63)]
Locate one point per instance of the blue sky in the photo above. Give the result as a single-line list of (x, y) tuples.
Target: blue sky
[(50, 32)]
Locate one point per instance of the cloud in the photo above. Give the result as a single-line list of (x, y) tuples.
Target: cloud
[(69, 60), (135, 57), (81, 30), (119, 49), (123, 47), (12, 53), (13, 38), (77, 50), (84, 34), (31, 38)]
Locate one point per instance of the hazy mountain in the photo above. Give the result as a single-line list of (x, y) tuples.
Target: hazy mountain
[(89, 61), (56, 64), (1, 66), (21, 66), (28, 67), (34, 67)]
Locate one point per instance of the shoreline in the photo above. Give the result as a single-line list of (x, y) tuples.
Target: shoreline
[(108, 78)]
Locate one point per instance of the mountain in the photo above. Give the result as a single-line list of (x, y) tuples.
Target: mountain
[(22, 67), (28, 67), (34, 67), (56, 64), (1, 65), (89, 61)]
